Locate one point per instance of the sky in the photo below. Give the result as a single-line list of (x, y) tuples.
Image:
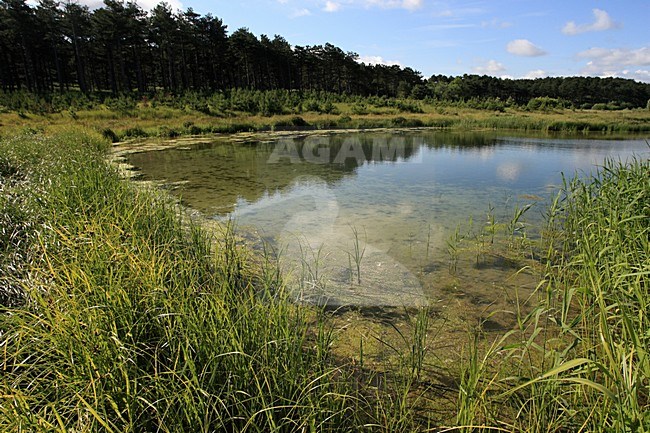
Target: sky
[(502, 38)]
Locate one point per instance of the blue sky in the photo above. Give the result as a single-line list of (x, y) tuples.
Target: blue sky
[(504, 38)]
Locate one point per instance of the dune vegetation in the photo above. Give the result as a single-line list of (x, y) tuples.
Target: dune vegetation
[(132, 117)]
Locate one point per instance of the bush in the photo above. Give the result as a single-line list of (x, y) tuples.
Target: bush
[(109, 134), (167, 132), (123, 104), (135, 133), (195, 130), (294, 122), (401, 122), (271, 104), (311, 105), (546, 103), (408, 107), (359, 109)]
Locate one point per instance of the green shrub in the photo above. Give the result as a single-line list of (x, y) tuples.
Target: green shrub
[(408, 107), (109, 134), (359, 109), (546, 103), (136, 132), (167, 132)]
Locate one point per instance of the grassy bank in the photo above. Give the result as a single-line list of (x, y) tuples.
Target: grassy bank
[(119, 314), (145, 119), (131, 321)]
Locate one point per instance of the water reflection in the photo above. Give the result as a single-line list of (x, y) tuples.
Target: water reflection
[(403, 193), (216, 177)]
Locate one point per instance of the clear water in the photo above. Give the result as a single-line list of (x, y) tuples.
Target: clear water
[(404, 194)]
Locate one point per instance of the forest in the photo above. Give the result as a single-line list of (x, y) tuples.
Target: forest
[(54, 48)]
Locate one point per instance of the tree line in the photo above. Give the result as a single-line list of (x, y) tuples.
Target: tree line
[(120, 48)]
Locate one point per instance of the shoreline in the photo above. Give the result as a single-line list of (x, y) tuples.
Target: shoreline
[(168, 123)]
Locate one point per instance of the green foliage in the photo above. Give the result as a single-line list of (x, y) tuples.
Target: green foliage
[(408, 107), (577, 361), (135, 133), (291, 124), (612, 106), (132, 323), (109, 134), (123, 104), (359, 109), (16, 231), (546, 104), (607, 250), (401, 122)]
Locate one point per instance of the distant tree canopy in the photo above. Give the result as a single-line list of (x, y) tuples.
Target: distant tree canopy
[(120, 48), (578, 91)]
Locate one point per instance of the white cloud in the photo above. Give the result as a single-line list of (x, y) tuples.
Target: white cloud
[(525, 48), (618, 56), (410, 5), (492, 67), (510, 171), (537, 73), (496, 24), (617, 62), (300, 13), (337, 5), (456, 12), (331, 6), (639, 75), (377, 60), (602, 21)]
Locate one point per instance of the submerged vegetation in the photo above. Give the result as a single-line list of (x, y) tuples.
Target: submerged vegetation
[(119, 313)]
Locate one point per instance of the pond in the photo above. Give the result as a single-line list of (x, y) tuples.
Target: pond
[(386, 219)]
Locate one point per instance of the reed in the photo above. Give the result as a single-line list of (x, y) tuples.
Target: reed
[(133, 319), (577, 360), (357, 253)]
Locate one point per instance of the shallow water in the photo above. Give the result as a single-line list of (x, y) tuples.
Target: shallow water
[(403, 193)]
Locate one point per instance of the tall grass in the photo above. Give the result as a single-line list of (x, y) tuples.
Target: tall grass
[(608, 226), (578, 360), (135, 320)]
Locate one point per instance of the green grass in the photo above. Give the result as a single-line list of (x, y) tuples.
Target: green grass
[(579, 359), (118, 313), (133, 319), (128, 118)]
